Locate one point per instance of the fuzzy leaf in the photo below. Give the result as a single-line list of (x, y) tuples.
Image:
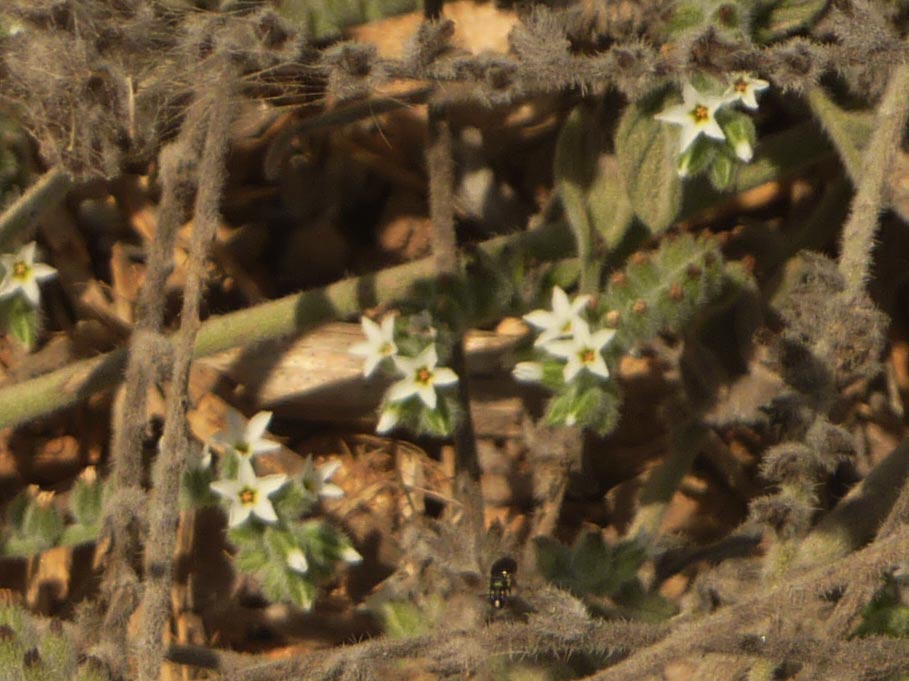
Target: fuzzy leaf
[(590, 183), (195, 491), (696, 158), (43, 525), (663, 289), (85, 501), (647, 157), (300, 590), (575, 158), (610, 208), (20, 320), (722, 172), (78, 534), (403, 619)]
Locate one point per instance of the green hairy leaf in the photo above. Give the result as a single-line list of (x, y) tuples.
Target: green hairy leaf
[(646, 151)]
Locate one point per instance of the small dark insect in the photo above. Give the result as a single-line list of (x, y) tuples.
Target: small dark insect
[(501, 579)]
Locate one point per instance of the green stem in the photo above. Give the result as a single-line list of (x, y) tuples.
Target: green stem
[(857, 517), (860, 228), (274, 319), (779, 155), (848, 131), (46, 193), (664, 480)]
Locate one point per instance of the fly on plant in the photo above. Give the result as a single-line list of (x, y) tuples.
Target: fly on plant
[(501, 580)]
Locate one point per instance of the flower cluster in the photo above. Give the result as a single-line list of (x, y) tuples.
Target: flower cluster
[(703, 117), (571, 360), (289, 555), (413, 399)]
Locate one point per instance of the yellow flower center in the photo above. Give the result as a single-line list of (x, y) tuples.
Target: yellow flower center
[(566, 327), (741, 86), (242, 448), (588, 356), (700, 113), (247, 496), (386, 349), (424, 375), (21, 270)]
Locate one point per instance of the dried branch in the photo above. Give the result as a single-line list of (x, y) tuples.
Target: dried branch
[(454, 652), (148, 351), (163, 514), (792, 594)]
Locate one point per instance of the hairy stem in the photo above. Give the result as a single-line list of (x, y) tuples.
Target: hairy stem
[(664, 480), (785, 153), (858, 515), (163, 513), (440, 163), (859, 230), (45, 194), (147, 355), (275, 319)]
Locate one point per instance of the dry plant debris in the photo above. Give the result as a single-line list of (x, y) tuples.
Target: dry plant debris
[(634, 279)]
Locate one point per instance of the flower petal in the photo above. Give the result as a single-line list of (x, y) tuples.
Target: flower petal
[(572, 368), (560, 303), (229, 489), (31, 291), (372, 330), (328, 469), (564, 349), (269, 484), (601, 338), (403, 389), (712, 129), (351, 555), (238, 514), (598, 367), (40, 271), (27, 252), (296, 561), (387, 421), (264, 510), (444, 376), (428, 395), (528, 372), (541, 319), (331, 491), (257, 426)]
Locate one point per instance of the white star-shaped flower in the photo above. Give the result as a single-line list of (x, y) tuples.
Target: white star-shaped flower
[(296, 561), (696, 116), (560, 321), (22, 273), (583, 351), (246, 437), (379, 344), (315, 480), (742, 88), (249, 494), (421, 376)]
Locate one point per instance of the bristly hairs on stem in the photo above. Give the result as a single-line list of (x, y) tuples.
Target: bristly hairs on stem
[(163, 514)]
